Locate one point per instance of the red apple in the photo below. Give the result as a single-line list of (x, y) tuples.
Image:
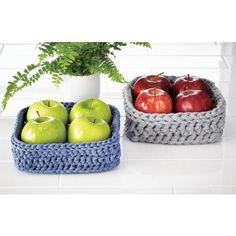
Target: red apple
[(153, 100), (193, 101), (188, 82), (151, 81)]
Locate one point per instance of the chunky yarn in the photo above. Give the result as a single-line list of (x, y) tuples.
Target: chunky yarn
[(176, 128), (67, 158)]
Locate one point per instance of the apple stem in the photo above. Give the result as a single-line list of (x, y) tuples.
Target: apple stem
[(38, 113), (91, 103), (160, 73), (49, 103), (155, 92), (188, 76)]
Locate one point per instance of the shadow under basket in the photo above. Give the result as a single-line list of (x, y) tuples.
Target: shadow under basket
[(175, 128), (67, 158)]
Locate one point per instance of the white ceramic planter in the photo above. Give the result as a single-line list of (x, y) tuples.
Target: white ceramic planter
[(75, 88)]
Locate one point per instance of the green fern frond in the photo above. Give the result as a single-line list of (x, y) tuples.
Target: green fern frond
[(56, 79), (69, 58), (20, 81), (109, 68), (142, 44)]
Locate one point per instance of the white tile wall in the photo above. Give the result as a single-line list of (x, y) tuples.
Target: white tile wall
[(144, 168), (169, 62), (5, 150), (202, 49), (197, 58), (1, 48), (223, 190), (16, 61), (6, 126), (20, 50)]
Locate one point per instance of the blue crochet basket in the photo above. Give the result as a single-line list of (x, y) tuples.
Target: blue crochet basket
[(67, 158)]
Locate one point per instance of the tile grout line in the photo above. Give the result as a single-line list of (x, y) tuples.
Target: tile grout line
[(225, 62), (172, 55), (222, 186), (135, 67), (59, 186), (191, 190), (29, 187), (1, 50), (20, 44), (172, 190)]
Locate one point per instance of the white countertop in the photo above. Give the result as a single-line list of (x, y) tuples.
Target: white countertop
[(144, 168)]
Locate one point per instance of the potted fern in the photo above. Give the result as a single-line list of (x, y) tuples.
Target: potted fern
[(75, 66)]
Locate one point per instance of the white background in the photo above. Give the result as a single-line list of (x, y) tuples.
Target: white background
[(31, 21), (144, 168)]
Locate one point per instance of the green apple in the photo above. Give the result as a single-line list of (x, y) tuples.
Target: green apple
[(44, 130), (91, 107), (48, 108), (88, 129)]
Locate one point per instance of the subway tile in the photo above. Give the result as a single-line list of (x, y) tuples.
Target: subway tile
[(228, 48), (5, 150), (44, 88), (223, 190), (170, 61), (228, 147), (36, 91), (7, 74), (230, 60), (20, 50), (188, 49), (213, 74), (6, 127), (11, 177), (17, 62), (107, 85), (230, 126), (1, 49), (131, 73), (230, 106), (133, 50), (227, 89)]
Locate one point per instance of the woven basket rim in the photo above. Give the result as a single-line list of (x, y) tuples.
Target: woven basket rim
[(218, 109), (115, 124)]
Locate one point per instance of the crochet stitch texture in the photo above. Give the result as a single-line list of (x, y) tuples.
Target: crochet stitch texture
[(175, 128), (67, 158)]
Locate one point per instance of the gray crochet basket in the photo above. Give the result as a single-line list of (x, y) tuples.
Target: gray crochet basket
[(175, 128), (67, 158)]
